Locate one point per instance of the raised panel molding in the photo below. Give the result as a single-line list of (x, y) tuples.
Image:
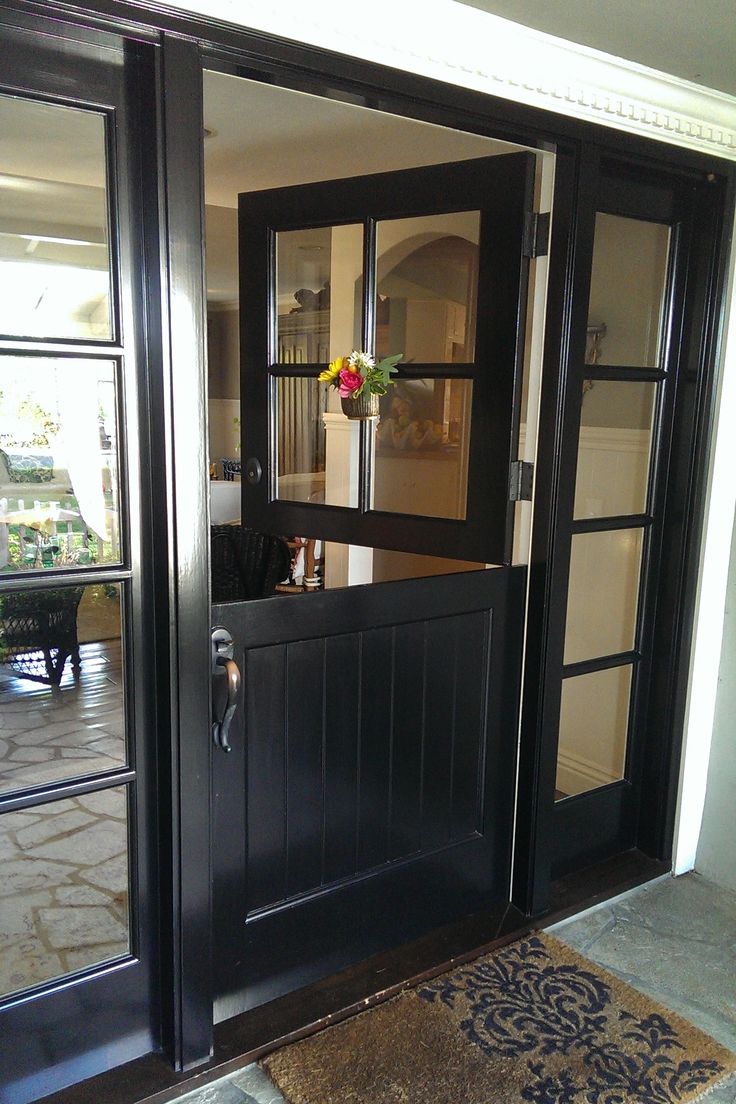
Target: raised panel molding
[(460, 45)]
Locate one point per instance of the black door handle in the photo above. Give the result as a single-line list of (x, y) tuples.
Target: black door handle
[(223, 662)]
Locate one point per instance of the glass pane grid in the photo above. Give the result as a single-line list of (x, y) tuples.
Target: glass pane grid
[(62, 714), (626, 312), (593, 732), (427, 287), (64, 904), (54, 239), (603, 594), (421, 449), (317, 293), (614, 448), (60, 493)]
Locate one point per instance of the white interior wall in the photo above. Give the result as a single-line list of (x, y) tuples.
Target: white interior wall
[(716, 854)]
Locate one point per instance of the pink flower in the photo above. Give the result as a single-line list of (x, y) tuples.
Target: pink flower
[(349, 381)]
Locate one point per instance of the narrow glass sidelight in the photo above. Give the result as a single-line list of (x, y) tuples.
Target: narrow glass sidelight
[(54, 247)]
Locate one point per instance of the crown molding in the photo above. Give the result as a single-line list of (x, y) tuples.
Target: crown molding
[(461, 45)]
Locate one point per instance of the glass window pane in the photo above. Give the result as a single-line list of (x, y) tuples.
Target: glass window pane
[(64, 893), (628, 282), (602, 599), (59, 486), (318, 293), (617, 424), (54, 254), (422, 444), (318, 449), (427, 286), (594, 719), (61, 685)]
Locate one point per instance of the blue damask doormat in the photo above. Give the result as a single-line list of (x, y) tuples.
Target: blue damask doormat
[(533, 1022)]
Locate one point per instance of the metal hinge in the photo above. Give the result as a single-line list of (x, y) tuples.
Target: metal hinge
[(536, 234), (521, 481)]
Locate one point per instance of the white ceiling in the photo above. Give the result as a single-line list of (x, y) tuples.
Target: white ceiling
[(694, 39), (263, 136)]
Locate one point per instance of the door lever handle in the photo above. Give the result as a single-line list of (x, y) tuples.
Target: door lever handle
[(223, 662), (221, 728)]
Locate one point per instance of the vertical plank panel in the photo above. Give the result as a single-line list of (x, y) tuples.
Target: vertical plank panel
[(375, 749), (304, 729), (265, 737), (342, 733), (408, 717), (439, 712), (471, 633)]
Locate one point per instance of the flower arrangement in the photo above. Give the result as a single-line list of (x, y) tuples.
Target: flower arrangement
[(360, 376)]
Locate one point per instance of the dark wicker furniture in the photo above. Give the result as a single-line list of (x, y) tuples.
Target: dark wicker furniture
[(38, 632), (245, 563)]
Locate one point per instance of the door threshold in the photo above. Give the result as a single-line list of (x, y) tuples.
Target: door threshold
[(251, 1035)]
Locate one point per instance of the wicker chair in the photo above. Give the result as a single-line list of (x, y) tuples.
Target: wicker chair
[(246, 564), (38, 632)]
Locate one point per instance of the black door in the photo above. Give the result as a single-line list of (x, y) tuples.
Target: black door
[(77, 955), (368, 795)]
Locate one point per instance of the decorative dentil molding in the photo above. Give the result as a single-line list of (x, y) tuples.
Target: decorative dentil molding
[(460, 45)]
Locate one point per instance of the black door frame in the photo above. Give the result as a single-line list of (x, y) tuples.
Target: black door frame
[(98, 71), (175, 46)]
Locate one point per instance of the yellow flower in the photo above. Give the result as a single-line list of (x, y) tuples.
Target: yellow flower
[(331, 371)]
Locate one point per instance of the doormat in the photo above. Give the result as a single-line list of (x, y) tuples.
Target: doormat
[(533, 1022)]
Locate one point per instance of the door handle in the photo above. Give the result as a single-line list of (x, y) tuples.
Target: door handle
[(223, 663)]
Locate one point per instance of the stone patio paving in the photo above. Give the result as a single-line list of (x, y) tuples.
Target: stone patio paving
[(64, 892)]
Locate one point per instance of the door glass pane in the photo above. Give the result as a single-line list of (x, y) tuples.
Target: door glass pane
[(602, 599), (64, 893), (54, 254), (594, 719), (616, 427), (427, 287), (421, 448), (318, 293), (61, 684), (318, 449), (59, 486), (626, 308)]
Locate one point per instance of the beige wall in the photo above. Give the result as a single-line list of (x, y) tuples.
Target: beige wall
[(629, 268)]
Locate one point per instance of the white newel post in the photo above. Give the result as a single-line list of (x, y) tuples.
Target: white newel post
[(345, 564)]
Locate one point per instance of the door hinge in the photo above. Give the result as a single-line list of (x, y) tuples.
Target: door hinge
[(521, 481), (536, 234)]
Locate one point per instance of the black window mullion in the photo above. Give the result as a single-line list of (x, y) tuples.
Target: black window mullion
[(436, 371), (624, 373), (58, 791), (368, 338), (601, 663), (606, 524)]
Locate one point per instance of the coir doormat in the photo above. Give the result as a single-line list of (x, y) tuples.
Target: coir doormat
[(533, 1022)]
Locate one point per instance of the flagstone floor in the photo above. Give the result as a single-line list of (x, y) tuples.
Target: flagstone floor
[(64, 891), (674, 940)]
